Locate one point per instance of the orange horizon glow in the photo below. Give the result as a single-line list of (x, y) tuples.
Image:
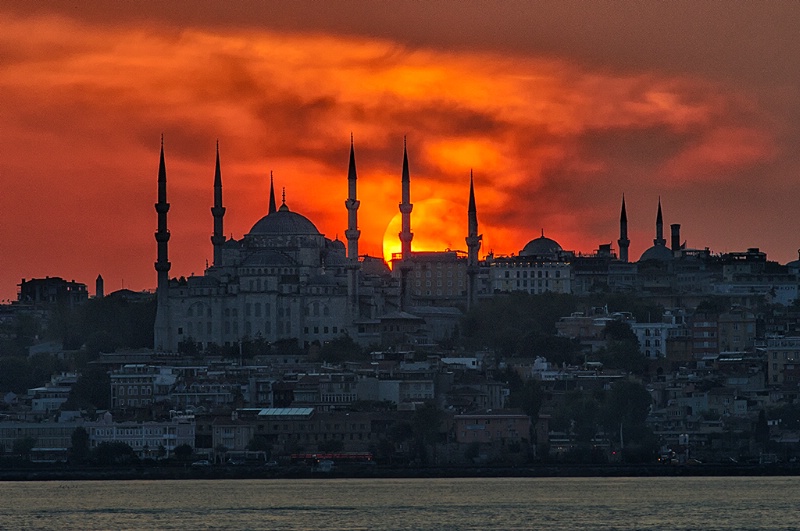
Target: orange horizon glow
[(553, 141)]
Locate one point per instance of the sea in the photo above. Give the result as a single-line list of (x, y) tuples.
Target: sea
[(695, 503)]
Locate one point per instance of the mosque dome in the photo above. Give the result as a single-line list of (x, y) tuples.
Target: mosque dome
[(794, 265), (541, 246), (284, 222), (657, 252)]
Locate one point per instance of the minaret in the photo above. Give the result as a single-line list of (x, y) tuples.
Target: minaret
[(405, 208), (161, 332), (352, 234), (272, 208), (405, 234), (473, 245), (218, 211), (623, 241), (659, 227)]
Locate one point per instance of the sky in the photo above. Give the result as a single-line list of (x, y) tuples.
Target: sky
[(557, 107)]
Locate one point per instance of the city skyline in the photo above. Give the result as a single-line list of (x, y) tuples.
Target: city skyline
[(558, 107)]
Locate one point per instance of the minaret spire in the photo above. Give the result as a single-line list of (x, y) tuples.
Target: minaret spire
[(406, 207), (473, 246), (659, 226), (218, 211), (405, 234), (352, 233), (623, 242), (161, 332), (272, 207)]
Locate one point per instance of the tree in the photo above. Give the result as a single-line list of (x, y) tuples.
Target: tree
[(183, 452), (79, 449), (114, 453), (331, 445), (425, 423), (259, 443), (761, 432), (341, 349), (526, 396), (625, 411), (24, 446), (92, 390), (622, 349), (509, 324)]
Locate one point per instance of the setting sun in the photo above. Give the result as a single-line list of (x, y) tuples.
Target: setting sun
[(437, 225)]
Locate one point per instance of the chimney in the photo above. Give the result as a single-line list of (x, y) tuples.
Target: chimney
[(676, 236)]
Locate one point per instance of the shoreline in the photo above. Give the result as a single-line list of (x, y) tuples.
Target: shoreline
[(360, 472)]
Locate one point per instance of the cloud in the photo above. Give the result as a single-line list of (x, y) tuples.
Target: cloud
[(553, 134)]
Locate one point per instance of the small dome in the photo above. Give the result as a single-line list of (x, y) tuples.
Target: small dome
[(541, 246), (284, 222), (337, 245), (657, 252)]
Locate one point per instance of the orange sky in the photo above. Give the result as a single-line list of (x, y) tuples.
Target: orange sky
[(558, 107)]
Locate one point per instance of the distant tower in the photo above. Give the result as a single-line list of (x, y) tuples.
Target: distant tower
[(675, 229), (405, 235), (473, 245), (99, 291), (161, 330), (218, 211), (272, 208), (352, 233), (623, 241), (659, 227)]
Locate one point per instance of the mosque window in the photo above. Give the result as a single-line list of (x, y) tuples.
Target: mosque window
[(325, 311)]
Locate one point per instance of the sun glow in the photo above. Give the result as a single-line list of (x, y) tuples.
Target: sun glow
[(437, 225)]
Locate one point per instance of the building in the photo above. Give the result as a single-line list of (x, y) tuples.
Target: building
[(52, 290), (284, 280)]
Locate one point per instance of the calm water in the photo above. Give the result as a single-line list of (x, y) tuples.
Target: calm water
[(406, 504)]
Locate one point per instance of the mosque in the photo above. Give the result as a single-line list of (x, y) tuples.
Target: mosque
[(284, 280)]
